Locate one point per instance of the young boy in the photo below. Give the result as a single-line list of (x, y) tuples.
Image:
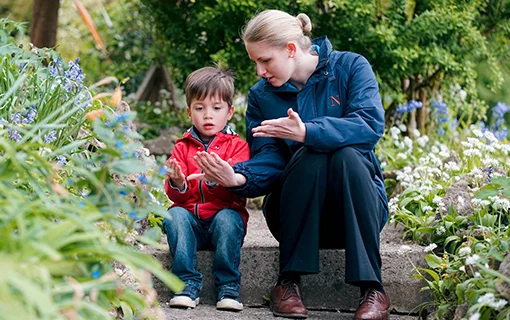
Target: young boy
[(206, 215)]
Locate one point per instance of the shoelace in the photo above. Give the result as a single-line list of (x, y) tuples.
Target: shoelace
[(291, 289), (372, 296)]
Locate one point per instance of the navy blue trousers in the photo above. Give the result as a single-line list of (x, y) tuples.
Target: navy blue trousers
[(327, 200)]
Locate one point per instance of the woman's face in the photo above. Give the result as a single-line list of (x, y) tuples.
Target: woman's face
[(274, 64)]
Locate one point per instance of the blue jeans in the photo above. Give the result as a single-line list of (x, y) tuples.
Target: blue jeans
[(186, 234)]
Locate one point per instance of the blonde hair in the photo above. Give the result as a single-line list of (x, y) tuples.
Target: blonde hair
[(278, 28), (210, 81)]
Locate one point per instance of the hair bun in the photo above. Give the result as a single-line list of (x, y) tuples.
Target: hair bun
[(306, 23)]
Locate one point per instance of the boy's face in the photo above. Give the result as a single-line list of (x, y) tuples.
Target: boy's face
[(209, 115)]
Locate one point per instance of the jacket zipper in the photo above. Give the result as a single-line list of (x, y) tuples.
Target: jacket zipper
[(200, 182)]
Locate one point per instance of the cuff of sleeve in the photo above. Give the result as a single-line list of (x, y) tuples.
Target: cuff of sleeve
[(312, 132), (244, 189), (176, 188)]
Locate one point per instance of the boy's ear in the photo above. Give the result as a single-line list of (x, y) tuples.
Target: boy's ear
[(188, 111), (230, 112)]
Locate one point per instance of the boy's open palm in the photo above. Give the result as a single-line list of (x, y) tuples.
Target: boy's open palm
[(175, 173)]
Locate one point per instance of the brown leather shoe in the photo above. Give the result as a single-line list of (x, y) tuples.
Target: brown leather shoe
[(373, 305), (286, 300)]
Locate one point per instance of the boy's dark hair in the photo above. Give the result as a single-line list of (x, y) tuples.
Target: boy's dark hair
[(210, 81)]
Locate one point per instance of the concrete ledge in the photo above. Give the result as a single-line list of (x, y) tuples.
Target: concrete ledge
[(326, 290)]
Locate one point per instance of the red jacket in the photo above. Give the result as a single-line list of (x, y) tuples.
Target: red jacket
[(199, 198)]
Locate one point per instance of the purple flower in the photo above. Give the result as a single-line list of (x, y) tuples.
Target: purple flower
[(14, 135), (16, 118), (50, 137), (61, 160), (29, 115)]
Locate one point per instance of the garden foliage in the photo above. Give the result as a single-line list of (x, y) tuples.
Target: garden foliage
[(69, 205)]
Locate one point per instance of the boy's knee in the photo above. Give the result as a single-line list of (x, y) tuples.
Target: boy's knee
[(178, 217), (227, 221)]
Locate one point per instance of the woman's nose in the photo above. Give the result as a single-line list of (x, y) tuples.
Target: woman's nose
[(261, 71)]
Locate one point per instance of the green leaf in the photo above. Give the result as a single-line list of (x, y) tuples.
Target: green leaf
[(433, 261), (127, 166), (432, 273)]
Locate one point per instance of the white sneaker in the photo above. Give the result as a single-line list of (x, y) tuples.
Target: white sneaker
[(184, 302), (229, 305)]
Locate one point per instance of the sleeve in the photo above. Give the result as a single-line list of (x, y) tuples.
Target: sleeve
[(173, 193), (362, 123), (269, 156)]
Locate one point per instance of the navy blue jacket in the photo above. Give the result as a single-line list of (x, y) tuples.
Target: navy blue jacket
[(339, 105)]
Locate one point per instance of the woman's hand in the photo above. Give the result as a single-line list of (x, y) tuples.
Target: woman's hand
[(216, 170), (286, 128), (174, 173)]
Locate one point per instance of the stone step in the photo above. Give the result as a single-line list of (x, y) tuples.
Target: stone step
[(326, 290), (208, 312)]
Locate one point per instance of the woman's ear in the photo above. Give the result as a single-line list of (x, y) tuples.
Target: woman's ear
[(291, 49)]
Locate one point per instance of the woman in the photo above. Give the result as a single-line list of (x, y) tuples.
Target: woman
[(313, 120)]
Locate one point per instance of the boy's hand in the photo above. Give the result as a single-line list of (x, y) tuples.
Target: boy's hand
[(216, 170), (174, 174)]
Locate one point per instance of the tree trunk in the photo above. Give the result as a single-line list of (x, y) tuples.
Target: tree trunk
[(422, 113), (43, 29)]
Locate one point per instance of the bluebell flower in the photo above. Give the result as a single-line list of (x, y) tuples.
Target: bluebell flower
[(132, 215), (53, 70), (125, 154), (135, 154), (3, 122), (81, 204), (30, 114), (69, 181), (16, 118), (123, 192), (500, 109), (14, 135), (408, 107), (61, 160), (50, 137), (143, 179), (96, 274), (118, 144), (162, 171)]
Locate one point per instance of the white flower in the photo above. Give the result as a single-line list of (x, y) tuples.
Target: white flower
[(490, 136), (416, 133), (428, 208), (394, 132), (475, 316), (437, 200), (501, 204), (477, 275), (402, 155), (462, 95), (402, 127), (489, 299), (440, 230), (422, 141), (434, 149), (408, 142), (404, 249), (463, 269), (472, 259), (478, 133), (430, 247), (464, 251)]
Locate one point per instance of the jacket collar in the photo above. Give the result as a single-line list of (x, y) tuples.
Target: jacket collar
[(323, 47), (192, 132)]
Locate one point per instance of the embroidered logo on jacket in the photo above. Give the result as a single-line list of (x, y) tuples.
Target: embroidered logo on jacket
[(335, 101)]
